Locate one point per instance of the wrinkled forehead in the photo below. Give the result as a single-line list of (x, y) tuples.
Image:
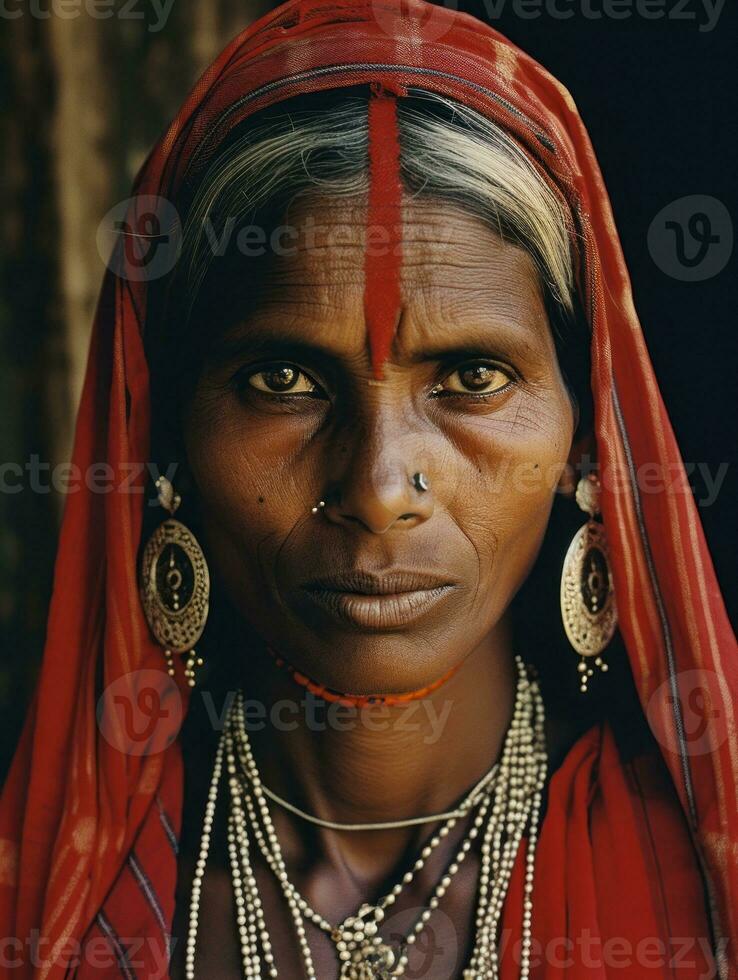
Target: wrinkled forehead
[(456, 272), (437, 240)]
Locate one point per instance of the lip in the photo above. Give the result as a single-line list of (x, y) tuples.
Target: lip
[(378, 601)]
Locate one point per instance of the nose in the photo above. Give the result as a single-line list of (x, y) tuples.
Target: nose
[(382, 485)]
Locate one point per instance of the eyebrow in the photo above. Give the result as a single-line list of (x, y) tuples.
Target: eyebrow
[(260, 342), (498, 338)]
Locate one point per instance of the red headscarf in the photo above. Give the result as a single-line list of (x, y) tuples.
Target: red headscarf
[(647, 849)]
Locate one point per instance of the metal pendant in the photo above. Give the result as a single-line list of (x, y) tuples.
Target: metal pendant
[(370, 962), (175, 591), (367, 957), (587, 594)]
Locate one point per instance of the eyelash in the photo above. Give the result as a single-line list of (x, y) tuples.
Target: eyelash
[(485, 396), (241, 382)]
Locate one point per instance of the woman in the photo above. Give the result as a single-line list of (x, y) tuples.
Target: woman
[(366, 386)]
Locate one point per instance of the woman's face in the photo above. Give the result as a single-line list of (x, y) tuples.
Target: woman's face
[(286, 412)]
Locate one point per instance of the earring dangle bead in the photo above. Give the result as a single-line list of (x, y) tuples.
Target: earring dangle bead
[(175, 585), (587, 594), (318, 507)]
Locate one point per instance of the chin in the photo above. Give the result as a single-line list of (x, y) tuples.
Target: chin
[(369, 663)]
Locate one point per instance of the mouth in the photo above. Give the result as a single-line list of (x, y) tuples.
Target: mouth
[(377, 601)]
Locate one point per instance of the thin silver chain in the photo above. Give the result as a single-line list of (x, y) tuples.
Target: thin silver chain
[(505, 802)]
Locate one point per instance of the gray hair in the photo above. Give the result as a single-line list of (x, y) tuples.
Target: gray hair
[(447, 151)]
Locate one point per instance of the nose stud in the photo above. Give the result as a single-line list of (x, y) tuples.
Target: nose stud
[(419, 479)]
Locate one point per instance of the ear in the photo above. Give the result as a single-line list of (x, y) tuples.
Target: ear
[(171, 458), (582, 460)]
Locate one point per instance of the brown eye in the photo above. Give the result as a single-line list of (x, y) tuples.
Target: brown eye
[(282, 379), (478, 377)]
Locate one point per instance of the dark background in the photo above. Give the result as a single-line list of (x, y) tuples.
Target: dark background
[(84, 99)]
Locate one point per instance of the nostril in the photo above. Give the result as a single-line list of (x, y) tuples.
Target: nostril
[(352, 519), (406, 517)]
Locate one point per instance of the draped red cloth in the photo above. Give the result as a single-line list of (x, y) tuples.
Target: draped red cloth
[(633, 852)]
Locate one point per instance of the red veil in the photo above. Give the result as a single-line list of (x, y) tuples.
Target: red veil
[(628, 852)]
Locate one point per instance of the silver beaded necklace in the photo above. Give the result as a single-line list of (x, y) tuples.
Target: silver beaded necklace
[(505, 802)]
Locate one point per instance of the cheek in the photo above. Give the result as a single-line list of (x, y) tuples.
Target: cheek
[(516, 457), (254, 489)]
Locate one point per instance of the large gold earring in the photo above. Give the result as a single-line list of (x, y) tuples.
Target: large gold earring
[(587, 593), (175, 585)]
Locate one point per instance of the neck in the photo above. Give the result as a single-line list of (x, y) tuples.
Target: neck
[(383, 762)]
